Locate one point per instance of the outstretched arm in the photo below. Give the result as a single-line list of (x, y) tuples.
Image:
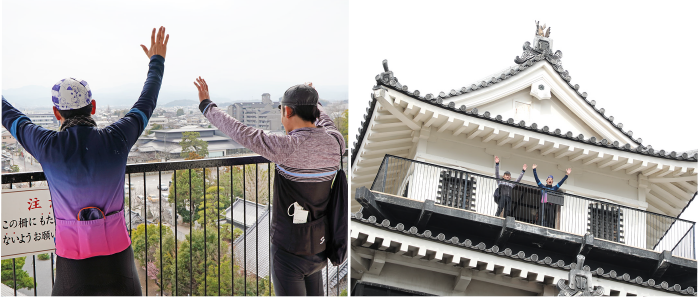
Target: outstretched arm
[(497, 168), (135, 121), (560, 183), (276, 148), (536, 177), (521, 174), (32, 137)]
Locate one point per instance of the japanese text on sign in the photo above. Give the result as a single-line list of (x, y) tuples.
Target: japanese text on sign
[(28, 222)]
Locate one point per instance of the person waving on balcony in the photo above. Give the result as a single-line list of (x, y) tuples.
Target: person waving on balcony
[(547, 217), (306, 158), (505, 189), (85, 168)]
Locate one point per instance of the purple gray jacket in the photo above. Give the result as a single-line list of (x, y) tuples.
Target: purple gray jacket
[(307, 160)]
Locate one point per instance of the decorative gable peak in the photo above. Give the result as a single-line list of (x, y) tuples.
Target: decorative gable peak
[(543, 49), (540, 30)]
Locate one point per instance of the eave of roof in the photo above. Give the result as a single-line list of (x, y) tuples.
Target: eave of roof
[(530, 57), (532, 258)]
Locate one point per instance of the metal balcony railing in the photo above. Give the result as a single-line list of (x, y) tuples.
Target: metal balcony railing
[(562, 211), (190, 236)]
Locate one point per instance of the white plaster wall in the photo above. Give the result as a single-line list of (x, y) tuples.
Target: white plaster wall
[(505, 106), (585, 180), (481, 288), (413, 279), (634, 229), (548, 112), (561, 117), (431, 282), (424, 182)]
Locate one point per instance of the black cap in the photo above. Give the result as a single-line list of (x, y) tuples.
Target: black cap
[(300, 95)]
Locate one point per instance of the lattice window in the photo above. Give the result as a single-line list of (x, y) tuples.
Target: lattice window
[(456, 189), (606, 222)]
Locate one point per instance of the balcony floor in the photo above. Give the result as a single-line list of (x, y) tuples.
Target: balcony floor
[(545, 242)]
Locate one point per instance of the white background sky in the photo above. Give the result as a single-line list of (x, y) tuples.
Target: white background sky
[(638, 61), (242, 48)]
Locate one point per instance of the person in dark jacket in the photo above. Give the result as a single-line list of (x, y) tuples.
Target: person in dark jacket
[(547, 218), (85, 167), (505, 187)]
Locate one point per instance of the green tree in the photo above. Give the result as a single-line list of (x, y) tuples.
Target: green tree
[(214, 206), (209, 262), (155, 127), (43, 257), (23, 278), (138, 241), (182, 193), (341, 123), (263, 192), (226, 233), (204, 256), (180, 112), (15, 168), (192, 144)]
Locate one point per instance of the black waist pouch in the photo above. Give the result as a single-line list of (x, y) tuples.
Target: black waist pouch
[(303, 239)]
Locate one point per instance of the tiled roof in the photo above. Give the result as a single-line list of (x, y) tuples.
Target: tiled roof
[(530, 57), (533, 258)]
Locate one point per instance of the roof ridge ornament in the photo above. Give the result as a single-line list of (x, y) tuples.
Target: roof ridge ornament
[(543, 49), (579, 281), (540, 30)]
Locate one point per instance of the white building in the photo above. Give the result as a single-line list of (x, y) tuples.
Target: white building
[(262, 115), (425, 219), (167, 142), (43, 119)]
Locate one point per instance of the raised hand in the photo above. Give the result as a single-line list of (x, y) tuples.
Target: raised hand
[(524, 167), (497, 160), (533, 166), (568, 171), (203, 89), (158, 44)]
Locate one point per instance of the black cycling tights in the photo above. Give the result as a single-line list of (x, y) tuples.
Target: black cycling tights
[(113, 275), (294, 275)]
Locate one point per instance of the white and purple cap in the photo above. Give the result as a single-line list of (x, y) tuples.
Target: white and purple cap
[(70, 93)]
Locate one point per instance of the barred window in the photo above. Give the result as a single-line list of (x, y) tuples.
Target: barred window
[(606, 222), (456, 189)]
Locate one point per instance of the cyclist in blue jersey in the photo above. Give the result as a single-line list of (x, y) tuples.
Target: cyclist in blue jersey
[(85, 168)]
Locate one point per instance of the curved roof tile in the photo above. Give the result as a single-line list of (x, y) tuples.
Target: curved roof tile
[(530, 56), (534, 258)]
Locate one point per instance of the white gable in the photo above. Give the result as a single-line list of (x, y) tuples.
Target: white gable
[(552, 102)]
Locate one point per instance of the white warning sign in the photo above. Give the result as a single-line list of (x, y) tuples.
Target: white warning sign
[(28, 222)]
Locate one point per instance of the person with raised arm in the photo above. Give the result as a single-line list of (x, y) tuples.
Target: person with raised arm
[(547, 209), (85, 168), (306, 160), (505, 189)]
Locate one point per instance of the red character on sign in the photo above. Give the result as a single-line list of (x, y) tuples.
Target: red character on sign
[(33, 204)]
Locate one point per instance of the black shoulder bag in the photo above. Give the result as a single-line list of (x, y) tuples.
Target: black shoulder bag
[(338, 217), (496, 195)]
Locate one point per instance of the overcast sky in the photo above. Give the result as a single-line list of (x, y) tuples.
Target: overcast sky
[(638, 61), (242, 48)]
